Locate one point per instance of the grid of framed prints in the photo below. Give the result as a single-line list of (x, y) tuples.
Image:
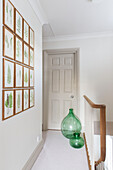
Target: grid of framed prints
[(18, 62)]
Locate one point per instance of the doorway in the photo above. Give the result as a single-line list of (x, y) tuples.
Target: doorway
[(61, 82)]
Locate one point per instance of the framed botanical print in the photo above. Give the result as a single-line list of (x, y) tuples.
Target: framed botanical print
[(8, 74), (8, 43), (26, 77), (31, 38), (8, 104), (18, 77), (25, 99), (31, 97), (26, 54), (8, 14), (31, 58), (31, 78), (26, 32), (18, 101), (18, 24), (18, 56)]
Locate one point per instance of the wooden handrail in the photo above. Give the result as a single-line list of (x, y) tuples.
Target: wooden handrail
[(93, 105), (102, 129)]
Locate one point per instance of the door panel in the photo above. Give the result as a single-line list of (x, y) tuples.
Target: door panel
[(59, 88), (55, 111), (56, 81), (68, 81), (68, 61), (55, 61)]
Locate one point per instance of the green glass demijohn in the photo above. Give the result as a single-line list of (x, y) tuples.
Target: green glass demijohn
[(77, 142), (71, 129), (70, 125)]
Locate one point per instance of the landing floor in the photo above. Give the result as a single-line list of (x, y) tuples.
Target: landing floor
[(57, 154)]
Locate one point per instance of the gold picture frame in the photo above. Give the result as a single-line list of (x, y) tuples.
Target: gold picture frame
[(8, 73), (8, 104), (8, 43), (9, 14)]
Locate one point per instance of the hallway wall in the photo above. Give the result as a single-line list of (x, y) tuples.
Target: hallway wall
[(96, 69), (18, 135)]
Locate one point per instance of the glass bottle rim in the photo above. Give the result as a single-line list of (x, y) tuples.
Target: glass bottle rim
[(71, 109)]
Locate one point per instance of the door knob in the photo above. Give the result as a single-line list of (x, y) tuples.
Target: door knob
[(72, 96)]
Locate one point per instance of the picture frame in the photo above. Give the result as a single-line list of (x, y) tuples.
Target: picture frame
[(31, 78), (8, 14), (8, 104), (25, 99), (25, 77), (31, 96), (8, 73), (18, 75), (18, 24), (18, 101), (8, 43), (18, 49), (26, 32), (31, 37), (26, 54), (31, 56)]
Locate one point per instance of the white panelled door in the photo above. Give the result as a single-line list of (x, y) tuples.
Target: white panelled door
[(59, 88)]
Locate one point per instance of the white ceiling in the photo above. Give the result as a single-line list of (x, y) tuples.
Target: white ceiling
[(77, 17)]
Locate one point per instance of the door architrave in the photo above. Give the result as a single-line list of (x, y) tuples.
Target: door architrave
[(46, 53)]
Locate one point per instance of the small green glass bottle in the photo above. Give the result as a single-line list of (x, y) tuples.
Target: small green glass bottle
[(70, 125), (78, 142)]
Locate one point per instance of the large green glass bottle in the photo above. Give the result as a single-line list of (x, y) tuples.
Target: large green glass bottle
[(70, 125)]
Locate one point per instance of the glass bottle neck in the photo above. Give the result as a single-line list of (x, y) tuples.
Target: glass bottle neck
[(77, 135), (71, 111)]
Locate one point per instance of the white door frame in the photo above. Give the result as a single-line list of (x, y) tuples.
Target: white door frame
[(74, 51)]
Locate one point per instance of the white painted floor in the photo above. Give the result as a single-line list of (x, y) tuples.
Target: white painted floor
[(57, 154)]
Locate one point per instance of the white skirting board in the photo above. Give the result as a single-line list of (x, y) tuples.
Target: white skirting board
[(34, 156)]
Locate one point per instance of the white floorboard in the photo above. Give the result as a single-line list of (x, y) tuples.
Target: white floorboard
[(57, 154)]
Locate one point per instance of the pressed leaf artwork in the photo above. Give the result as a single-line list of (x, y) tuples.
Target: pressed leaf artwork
[(31, 38), (26, 76), (18, 24), (31, 78), (26, 32), (31, 97), (9, 73), (9, 44), (26, 99), (18, 49), (18, 75), (9, 14), (26, 54), (31, 58), (8, 104), (18, 101)]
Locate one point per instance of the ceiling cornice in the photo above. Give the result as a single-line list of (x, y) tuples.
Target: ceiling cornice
[(78, 36), (36, 6)]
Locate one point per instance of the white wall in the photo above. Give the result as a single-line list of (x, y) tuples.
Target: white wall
[(96, 69), (18, 135)]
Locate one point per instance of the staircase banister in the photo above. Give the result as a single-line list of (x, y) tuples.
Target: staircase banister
[(102, 108)]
